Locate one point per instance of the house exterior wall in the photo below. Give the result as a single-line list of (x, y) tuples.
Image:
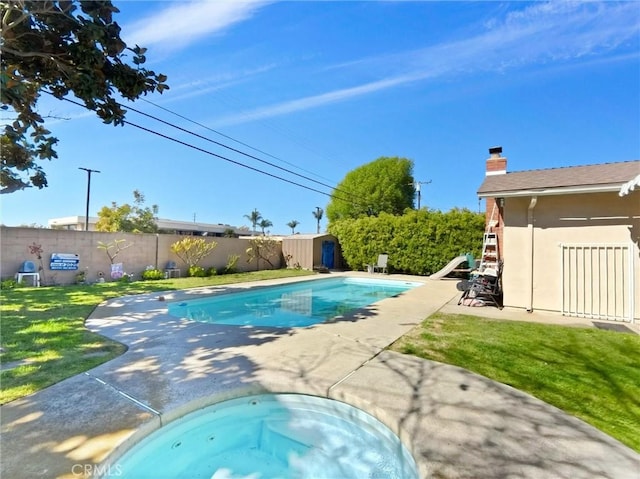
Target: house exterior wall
[(595, 218), (147, 249)]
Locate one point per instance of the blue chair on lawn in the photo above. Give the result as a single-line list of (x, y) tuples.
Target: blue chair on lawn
[(26, 269)]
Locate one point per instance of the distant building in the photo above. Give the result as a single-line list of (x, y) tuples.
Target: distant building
[(189, 228)]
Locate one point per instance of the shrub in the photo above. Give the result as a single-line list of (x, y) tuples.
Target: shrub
[(152, 274), (197, 272), (192, 250), (10, 284), (113, 248), (262, 248), (212, 271), (232, 264), (418, 242)]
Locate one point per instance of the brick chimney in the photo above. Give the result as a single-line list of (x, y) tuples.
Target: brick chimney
[(496, 163), (494, 223)]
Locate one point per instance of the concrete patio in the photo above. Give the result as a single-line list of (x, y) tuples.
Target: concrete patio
[(457, 424)]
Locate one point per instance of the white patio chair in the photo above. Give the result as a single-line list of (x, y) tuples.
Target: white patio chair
[(382, 263)]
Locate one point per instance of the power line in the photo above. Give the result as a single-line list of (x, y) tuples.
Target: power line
[(184, 130), (202, 150), (217, 132), (331, 195), (298, 140)]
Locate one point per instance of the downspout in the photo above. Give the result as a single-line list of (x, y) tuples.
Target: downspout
[(530, 221)]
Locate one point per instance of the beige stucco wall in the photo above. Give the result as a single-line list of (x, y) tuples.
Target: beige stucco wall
[(596, 218), (147, 249)]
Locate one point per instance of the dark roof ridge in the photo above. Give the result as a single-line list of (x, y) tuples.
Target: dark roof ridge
[(575, 166), (583, 178)]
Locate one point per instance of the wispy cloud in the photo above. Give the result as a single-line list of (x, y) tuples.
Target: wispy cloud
[(314, 101), (540, 34), (218, 82), (543, 33), (546, 33), (183, 23)]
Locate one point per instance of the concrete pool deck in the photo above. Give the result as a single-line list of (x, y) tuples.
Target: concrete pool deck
[(457, 424)]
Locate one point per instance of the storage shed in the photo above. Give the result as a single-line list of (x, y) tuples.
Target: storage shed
[(312, 251)]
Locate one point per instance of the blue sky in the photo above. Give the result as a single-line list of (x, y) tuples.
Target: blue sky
[(320, 88)]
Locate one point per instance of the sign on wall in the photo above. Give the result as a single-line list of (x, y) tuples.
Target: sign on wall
[(64, 261)]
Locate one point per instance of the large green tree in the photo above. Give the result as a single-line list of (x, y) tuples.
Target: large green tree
[(134, 218), (383, 185), (64, 48)]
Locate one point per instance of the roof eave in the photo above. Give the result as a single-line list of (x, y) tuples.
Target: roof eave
[(565, 190)]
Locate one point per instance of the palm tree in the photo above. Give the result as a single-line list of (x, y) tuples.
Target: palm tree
[(264, 224), (254, 217), (317, 214), (292, 224)]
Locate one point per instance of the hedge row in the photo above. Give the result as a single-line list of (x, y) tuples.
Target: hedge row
[(418, 242)]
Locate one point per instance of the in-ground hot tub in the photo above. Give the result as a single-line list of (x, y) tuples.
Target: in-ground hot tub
[(270, 436)]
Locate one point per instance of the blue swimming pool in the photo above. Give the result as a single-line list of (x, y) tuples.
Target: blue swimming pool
[(270, 436), (299, 304)]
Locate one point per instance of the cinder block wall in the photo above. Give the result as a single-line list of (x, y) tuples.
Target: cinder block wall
[(145, 250)]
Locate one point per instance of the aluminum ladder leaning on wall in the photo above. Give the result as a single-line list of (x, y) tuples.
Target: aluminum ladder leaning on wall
[(490, 255)]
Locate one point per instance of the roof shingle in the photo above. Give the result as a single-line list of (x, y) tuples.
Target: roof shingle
[(586, 176)]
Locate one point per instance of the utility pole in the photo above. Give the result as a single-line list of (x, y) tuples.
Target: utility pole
[(416, 185), (86, 216)]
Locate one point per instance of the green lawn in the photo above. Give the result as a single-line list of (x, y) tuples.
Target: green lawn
[(589, 373), (44, 327)]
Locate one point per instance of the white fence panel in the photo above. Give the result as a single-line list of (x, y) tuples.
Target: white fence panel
[(597, 281)]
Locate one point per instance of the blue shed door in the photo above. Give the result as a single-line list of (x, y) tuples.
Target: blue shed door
[(327, 254)]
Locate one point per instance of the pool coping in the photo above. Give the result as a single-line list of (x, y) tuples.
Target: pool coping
[(455, 423)]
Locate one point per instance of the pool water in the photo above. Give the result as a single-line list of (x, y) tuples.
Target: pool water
[(299, 304), (270, 436)]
